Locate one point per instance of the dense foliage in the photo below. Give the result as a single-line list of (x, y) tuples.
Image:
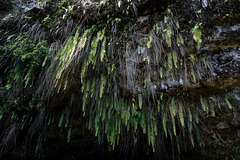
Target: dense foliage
[(118, 71)]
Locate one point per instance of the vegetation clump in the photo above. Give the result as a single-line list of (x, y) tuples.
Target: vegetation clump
[(122, 75)]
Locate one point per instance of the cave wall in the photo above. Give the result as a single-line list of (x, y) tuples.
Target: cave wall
[(124, 77)]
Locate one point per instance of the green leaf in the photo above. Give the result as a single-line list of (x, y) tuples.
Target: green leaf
[(229, 104), (189, 115), (92, 54), (204, 105), (175, 59), (149, 42), (143, 123), (84, 68), (170, 66), (90, 121), (83, 40), (87, 87), (140, 100), (103, 84), (174, 126), (172, 108), (84, 100), (8, 86), (61, 120), (158, 104), (103, 49), (164, 121), (169, 33), (93, 86), (181, 116), (197, 34), (69, 135), (161, 73), (104, 114), (193, 75), (212, 108)]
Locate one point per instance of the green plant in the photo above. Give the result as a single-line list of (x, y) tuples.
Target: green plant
[(197, 34), (26, 54)]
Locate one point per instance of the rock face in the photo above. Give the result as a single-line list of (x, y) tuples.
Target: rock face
[(123, 78), (32, 9), (6, 5)]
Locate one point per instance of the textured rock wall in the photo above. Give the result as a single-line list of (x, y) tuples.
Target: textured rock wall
[(128, 77)]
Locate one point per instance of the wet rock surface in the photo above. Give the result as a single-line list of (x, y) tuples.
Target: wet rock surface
[(226, 62), (215, 75), (32, 9)]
